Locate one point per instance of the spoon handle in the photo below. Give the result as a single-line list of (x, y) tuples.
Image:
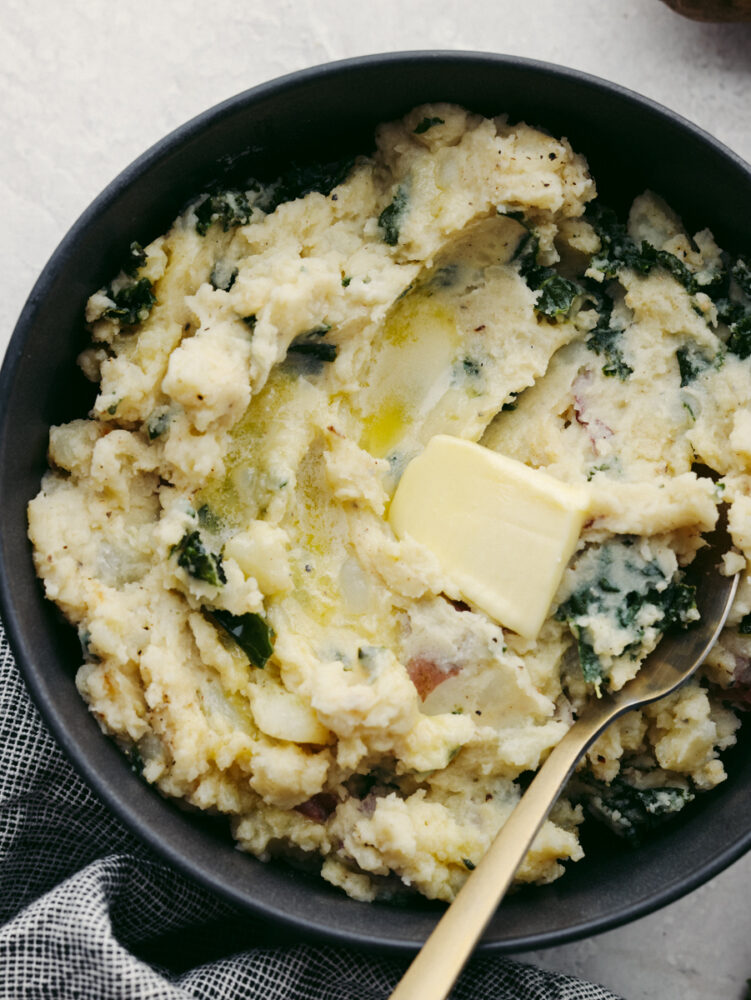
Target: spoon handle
[(437, 966)]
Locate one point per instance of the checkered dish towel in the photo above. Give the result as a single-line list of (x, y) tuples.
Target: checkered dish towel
[(88, 912)]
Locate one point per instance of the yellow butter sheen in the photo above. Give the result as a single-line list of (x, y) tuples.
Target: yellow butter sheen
[(501, 531)]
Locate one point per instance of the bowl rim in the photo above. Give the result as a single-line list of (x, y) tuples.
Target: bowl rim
[(21, 648)]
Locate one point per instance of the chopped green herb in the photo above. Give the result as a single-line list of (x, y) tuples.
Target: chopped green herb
[(469, 865), (136, 259), (157, 424), (250, 631), (427, 123), (471, 367), (691, 363), (135, 759), (592, 472), (132, 302), (605, 340), (741, 271), (346, 281), (390, 219), (557, 294), (194, 558), (591, 668), (310, 345), (321, 352), (112, 408), (619, 250), (208, 519), (223, 277), (621, 585), (669, 262), (226, 208), (299, 181), (738, 319), (629, 811)]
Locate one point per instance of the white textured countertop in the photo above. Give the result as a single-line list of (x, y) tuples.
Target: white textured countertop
[(87, 85)]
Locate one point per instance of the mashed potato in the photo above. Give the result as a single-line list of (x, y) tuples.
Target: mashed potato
[(256, 637)]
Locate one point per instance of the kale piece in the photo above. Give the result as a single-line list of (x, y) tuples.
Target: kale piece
[(136, 259), (135, 759), (311, 347), (299, 181), (195, 558), (738, 320), (691, 363), (321, 352), (605, 338), (229, 209), (250, 631), (651, 258), (619, 584), (390, 219), (629, 811), (222, 277), (557, 294), (133, 297), (741, 271), (619, 250), (157, 424), (606, 341), (678, 602), (471, 367), (208, 519), (133, 302), (591, 668), (427, 123)]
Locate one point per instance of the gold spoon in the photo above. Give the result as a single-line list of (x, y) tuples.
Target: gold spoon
[(438, 964)]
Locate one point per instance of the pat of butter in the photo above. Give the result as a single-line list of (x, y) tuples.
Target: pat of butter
[(502, 532)]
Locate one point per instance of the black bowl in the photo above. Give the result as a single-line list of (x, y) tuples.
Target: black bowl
[(316, 115)]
